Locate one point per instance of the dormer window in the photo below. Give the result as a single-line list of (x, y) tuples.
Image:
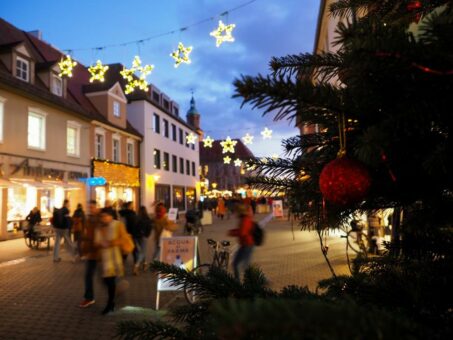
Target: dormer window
[(57, 85), (22, 69), (176, 111), (116, 109)]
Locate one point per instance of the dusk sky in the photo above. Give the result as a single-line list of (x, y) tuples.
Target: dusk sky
[(264, 28)]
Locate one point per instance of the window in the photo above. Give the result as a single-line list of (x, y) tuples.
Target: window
[(99, 141), (176, 111), (166, 105), (179, 198), (2, 109), (73, 139), (187, 167), (162, 194), (166, 128), (130, 153), (173, 132), (36, 131), (156, 123), (22, 68), (187, 143), (116, 149), (193, 169), (116, 109), (166, 161), (193, 146), (174, 163), (181, 137), (181, 166), (57, 85), (156, 159), (155, 96)]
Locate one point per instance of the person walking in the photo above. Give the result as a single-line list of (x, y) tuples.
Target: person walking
[(246, 242), (61, 220), (163, 227), (78, 220), (221, 207), (108, 239), (90, 252), (144, 228), (129, 219)]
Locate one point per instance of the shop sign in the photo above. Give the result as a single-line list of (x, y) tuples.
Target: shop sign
[(117, 174), (95, 181), (277, 208)]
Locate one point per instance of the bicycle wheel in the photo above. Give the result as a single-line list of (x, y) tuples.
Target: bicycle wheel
[(28, 240), (189, 293)]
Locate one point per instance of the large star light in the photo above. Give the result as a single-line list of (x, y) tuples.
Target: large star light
[(223, 33), (66, 66), (228, 145), (207, 142), (97, 71), (191, 138), (237, 162), (227, 160), (266, 133), (137, 81), (248, 139), (181, 55)]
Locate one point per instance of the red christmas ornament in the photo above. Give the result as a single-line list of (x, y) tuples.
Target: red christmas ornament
[(344, 181)]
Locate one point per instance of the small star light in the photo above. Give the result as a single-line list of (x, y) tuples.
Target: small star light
[(237, 162), (97, 71), (228, 145), (223, 33), (133, 82), (207, 142), (181, 55), (274, 156), (247, 139), (266, 133), (66, 66), (191, 138), (227, 160), (263, 160)]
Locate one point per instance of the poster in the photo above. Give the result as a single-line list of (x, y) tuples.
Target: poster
[(173, 214), (180, 251), (277, 208)]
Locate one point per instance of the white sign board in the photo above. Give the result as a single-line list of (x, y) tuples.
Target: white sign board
[(277, 208), (173, 214)]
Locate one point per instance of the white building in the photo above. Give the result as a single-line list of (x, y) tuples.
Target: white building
[(169, 165)]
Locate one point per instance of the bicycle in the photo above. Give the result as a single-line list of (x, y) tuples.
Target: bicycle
[(36, 235), (220, 259)]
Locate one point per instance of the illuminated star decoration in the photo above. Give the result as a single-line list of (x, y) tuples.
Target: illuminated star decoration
[(97, 71), (137, 81), (274, 156), (66, 66), (237, 162), (247, 139), (207, 142), (227, 160), (223, 33), (228, 145), (181, 55), (263, 160), (266, 133), (191, 138)]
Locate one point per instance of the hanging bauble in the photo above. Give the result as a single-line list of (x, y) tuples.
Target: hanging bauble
[(344, 181)]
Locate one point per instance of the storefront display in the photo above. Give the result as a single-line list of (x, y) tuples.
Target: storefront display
[(179, 198), (191, 197)]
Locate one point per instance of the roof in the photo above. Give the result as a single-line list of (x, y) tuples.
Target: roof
[(45, 56), (215, 155)]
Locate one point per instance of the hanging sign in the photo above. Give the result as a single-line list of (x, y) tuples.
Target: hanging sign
[(277, 208)]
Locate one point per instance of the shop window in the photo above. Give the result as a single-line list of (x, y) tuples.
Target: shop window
[(174, 163), (181, 137), (156, 123), (179, 198), (116, 150), (22, 69), (57, 85), (166, 161), (193, 169), (73, 139), (173, 132), (2, 114), (156, 159), (191, 198), (162, 194), (99, 145), (36, 131), (116, 109), (166, 128), (181, 166), (187, 167), (130, 153)]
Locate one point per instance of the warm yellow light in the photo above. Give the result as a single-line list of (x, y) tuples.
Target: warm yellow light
[(97, 71), (248, 139), (191, 138), (181, 55), (228, 145), (66, 66), (237, 162), (156, 178), (214, 185), (207, 142), (136, 81), (266, 133), (223, 33), (227, 160), (274, 156)]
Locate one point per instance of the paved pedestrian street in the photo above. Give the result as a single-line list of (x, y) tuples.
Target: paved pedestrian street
[(39, 298)]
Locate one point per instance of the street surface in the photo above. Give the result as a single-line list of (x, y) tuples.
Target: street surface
[(39, 298)]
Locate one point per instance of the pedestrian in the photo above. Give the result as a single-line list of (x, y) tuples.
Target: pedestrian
[(253, 205), (144, 228), (89, 252), (221, 207), (108, 239), (246, 242), (108, 206), (129, 219), (78, 220), (163, 227), (61, 220), (33, 218)]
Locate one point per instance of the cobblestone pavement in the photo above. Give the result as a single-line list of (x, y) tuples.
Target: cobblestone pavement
[(38, 298)]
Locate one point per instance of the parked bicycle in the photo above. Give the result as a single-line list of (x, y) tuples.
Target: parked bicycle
[(38, 235), (220, 259)]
